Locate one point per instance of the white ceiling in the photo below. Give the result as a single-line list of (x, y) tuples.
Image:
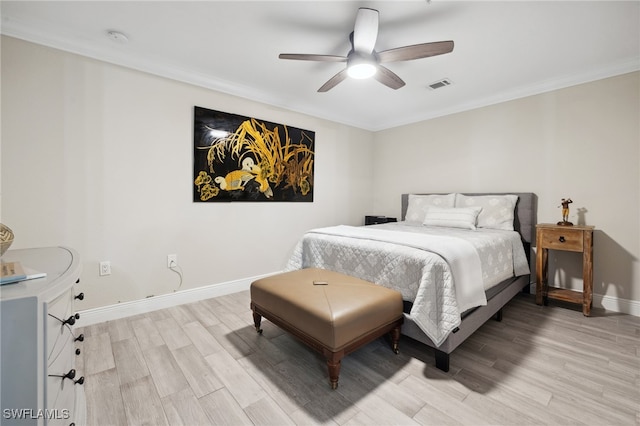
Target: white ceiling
[(503, 50)]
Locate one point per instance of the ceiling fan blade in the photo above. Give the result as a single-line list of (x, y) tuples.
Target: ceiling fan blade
[(308, 57), (416, 51), (365, 31), (388, 78), (333, 81)]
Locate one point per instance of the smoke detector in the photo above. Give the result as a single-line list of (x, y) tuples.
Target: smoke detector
[(117, 36)]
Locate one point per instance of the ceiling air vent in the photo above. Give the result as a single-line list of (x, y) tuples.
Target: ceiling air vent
[(440, 83)]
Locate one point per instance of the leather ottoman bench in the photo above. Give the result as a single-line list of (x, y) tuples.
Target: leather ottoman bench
[(332, 313)]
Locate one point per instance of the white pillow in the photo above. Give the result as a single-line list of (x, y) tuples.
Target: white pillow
[(454, 217), (418, 205), (497, 210)]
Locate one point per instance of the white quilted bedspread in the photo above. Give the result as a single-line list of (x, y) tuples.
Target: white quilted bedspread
[(413, 265)]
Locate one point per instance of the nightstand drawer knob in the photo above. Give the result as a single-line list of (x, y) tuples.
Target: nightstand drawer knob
[(561, 239)]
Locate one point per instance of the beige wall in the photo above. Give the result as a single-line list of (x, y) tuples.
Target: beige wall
[(581, 142), (99, 157)]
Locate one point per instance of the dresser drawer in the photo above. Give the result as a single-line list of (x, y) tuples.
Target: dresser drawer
[(61, 391), (61, 401), (561, 239), (57, 386), (58, 311)]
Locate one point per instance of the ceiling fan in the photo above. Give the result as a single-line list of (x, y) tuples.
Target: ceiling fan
[(363, 61)]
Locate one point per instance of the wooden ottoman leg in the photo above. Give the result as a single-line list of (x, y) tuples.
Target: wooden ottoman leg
[(334, 372), (334, 364), (395, 339), (257, 319)]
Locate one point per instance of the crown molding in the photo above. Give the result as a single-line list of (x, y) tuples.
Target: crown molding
[(613, 70), (14, 28)]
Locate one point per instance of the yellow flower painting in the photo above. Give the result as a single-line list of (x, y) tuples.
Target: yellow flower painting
[(239, 158)]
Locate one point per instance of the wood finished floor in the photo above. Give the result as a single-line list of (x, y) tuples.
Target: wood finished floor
[(203, 364)]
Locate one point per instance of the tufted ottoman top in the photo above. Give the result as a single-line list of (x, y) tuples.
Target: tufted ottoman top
[(332, 308)]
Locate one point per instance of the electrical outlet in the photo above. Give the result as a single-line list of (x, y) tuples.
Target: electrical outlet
[(172, 260), (105, 268)]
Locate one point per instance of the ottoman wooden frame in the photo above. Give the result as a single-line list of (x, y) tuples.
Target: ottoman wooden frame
[(332, 313)]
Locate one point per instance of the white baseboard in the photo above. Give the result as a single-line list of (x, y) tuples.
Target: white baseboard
[(624, 306), (134, 307), (609, 303)]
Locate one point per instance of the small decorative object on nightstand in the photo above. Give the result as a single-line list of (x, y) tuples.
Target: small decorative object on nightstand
[(565, 212), (375, 220), (560, 237)]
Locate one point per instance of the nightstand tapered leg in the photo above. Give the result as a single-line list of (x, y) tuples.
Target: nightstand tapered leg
[(545, 276), (541, 275), (587, 274)]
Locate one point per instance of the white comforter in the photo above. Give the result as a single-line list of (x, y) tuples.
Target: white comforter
[(443, 271)]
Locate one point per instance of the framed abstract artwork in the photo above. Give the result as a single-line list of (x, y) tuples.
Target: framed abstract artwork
[(238, 158)]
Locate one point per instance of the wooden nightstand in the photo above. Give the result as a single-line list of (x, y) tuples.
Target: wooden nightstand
[(567, 238)]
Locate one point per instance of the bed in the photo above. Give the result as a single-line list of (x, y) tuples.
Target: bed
[(457, 259)]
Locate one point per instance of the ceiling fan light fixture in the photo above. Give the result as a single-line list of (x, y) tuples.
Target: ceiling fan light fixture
[(361, 71), (363, 61), (361, 68)]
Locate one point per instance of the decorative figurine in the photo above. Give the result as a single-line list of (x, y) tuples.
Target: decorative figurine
[(565, 212)]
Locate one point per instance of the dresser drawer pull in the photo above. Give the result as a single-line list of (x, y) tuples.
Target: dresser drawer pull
[(80, 381), (561, 239), (70, 375), (71, 320), (80, 296)]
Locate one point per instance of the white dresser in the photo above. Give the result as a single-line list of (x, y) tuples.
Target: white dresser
[(38, 345)]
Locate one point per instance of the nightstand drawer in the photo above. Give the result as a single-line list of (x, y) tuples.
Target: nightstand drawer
[(562, 239)]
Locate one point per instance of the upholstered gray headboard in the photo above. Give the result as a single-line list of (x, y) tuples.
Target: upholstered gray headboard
[(526, 216)]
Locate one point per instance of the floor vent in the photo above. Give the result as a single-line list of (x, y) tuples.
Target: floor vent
[(440, 83)]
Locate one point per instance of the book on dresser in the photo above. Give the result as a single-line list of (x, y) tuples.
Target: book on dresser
[(13, 272)]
